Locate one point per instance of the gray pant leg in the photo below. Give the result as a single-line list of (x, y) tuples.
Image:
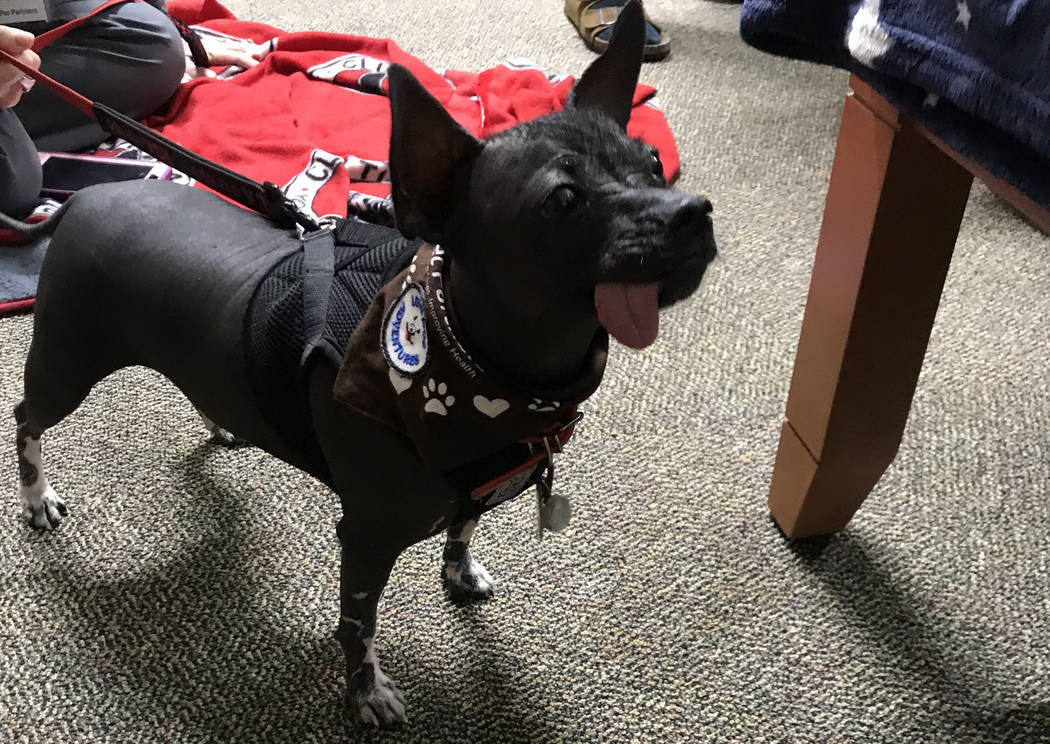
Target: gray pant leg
[(19, 167), (130, 58)]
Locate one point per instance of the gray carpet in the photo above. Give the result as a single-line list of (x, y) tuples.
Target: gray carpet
[(192, 594)]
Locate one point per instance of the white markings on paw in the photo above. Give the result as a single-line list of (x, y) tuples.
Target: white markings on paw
[(41, 505), (44, 510), (370, 656), (471, 577), (491, 408), (219, 435), (437, 399), (482, 578), (383, 704)]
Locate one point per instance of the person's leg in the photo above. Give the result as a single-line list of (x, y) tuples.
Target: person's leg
[(130, 58), (19, 167)]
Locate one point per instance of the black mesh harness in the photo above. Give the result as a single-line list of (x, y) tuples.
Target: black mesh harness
[(308, 305)]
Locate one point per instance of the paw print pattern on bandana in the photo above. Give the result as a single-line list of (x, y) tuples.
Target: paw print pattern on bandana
[(436, 399), (543, 406)]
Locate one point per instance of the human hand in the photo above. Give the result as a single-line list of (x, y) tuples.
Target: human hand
[(225, 51), (222, 51), (13, 82)]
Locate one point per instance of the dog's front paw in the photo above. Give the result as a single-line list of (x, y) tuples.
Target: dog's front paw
[(44, 510), (467, 582), (380, 704)]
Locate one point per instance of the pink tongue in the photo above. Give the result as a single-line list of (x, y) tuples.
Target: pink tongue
[(629, 312)]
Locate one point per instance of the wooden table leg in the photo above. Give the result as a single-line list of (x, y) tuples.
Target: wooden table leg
[(891, 219)]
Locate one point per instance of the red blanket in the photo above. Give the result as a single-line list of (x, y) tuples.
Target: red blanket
[(316, 108)]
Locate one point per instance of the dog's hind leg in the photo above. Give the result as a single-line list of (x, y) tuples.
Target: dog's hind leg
[(41, 506), (58, 377), (219, 435), (465, 580)]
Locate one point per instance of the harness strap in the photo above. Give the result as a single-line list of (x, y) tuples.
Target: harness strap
[(351, 231), (318, 273)]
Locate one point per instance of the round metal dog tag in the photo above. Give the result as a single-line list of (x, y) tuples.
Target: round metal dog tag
[(404, 339), (556, 512)]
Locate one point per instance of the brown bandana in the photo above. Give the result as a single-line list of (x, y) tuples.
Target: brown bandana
[(406, 368)]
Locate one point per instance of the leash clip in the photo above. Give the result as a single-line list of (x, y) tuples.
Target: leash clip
[(328, 223), (284, 210)]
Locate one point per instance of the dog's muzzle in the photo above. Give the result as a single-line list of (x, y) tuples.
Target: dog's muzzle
[(660, 235), (657, 257)]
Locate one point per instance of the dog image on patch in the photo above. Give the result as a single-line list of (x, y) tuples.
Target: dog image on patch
[(453, 351), (413, 328)]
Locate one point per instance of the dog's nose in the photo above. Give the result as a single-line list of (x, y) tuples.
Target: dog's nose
[(692, 216), (692, 222)]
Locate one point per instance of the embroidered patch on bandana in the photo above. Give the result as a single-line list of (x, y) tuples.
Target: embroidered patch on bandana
[(404, 339)]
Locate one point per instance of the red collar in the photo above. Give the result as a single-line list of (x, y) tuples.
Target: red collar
[(542, 447)]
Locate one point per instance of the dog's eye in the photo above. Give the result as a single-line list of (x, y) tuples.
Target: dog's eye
[(658, 167), (562, 202)]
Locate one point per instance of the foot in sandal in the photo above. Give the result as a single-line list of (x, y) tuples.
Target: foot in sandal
[(594, 20)]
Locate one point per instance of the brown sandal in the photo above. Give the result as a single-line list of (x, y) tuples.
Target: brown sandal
[(590, 21)]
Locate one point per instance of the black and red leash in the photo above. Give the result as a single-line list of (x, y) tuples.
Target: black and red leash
[(265, 198)]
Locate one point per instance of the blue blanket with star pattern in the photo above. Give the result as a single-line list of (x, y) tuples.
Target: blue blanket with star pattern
[(976, 72)]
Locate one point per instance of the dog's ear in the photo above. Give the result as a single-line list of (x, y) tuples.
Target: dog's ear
[(430, 155), (608, 84)]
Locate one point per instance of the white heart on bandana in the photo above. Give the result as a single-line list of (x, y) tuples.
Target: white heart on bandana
[(400, 383), (491, 408)]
